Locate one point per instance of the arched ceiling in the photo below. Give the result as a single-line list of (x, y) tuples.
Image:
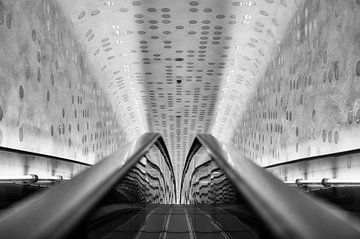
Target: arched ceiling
[(179, 67)]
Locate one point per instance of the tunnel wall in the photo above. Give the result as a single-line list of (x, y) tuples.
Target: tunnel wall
[(50, 102), (308, 101)]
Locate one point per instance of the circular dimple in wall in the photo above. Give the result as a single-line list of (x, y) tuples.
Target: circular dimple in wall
[(336, 137), (52, 79), (324, 136), (33, 35), (324, 77), (38, 76), (330, 75), (8, 21), (336, 71), (94, 13), (81, 15), (21, 92), (350, 116), (313, 116), (123, 9), (48, 96), (21, 134), (330, 136), (357, 116), (38, 57), (283, 3), (325, 56), (297, 131), (27, 70), (1, 16), (358, 68)]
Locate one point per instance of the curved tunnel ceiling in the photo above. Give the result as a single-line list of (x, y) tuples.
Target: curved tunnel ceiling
[(179, 67)]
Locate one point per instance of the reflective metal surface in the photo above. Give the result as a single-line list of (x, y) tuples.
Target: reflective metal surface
[(287, 212), (55, 212)]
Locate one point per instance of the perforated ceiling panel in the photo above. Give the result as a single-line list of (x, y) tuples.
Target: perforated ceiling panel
[(179, 67)]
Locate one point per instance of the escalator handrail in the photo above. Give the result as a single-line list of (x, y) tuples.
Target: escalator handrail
[(287, 212), (54, 213)]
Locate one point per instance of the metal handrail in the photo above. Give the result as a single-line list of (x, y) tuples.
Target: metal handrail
[(54, 213), (287, 212), (325, 182), (31, 178), (40, 155), (316, 157)]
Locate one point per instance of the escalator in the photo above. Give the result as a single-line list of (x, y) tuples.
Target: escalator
[(175, 221), (133, 194)]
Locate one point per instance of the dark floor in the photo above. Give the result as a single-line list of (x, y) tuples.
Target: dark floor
[(176, 221), (121, 220)]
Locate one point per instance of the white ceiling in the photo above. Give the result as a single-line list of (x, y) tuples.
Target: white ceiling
[(179, 67)]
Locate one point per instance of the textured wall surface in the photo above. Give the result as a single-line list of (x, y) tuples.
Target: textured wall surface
[(50, 102), (308, 101)]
